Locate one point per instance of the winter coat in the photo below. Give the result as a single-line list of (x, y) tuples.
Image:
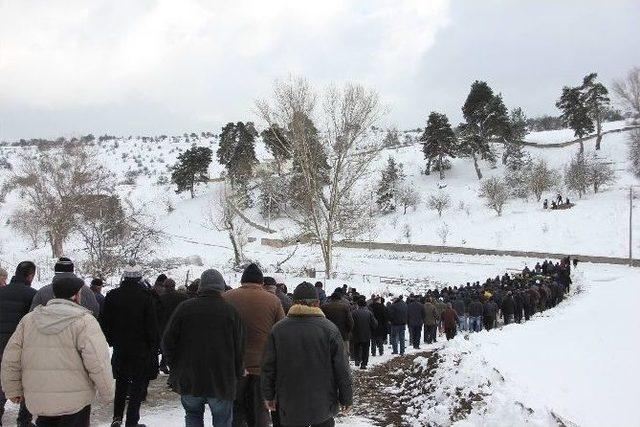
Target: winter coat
[(259, 311), (415, 313), (398, 313), (99, 300), (364, 323), (130, 324), (475, 309), (490, 309), (305, 368), (203, 345), (322, 295), (284, 300), (441, 307), (15, 300), (431, 317), (169, 301), (508, 306), (340, 314), (57, 359), (458, 306), (449, 319), (380, 313), (87, 298)]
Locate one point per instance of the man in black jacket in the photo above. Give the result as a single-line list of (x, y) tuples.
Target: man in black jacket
[(305, 373), (379, 334), (203, 345), (169, 301), (508, 307), (415, 319), (130, 324), (364, 323), (15, 302), (398, 316), (338, 312)]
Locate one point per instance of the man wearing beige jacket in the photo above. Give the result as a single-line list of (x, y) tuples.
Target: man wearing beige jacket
[(57, 359)]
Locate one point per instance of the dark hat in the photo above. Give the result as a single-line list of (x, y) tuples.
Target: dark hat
[(97, 282), (269, 281), (252, 274), (63, 265), (305, 291), (66, 285), (161, 278), (211, 280)]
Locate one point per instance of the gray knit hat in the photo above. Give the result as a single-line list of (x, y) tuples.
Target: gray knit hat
[(212, 280), (132, 272)]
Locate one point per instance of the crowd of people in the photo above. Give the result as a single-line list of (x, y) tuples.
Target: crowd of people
[(256, 355)]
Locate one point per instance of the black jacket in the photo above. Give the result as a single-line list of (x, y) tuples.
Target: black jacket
[(203, 345), (508, 306), (458, 306), (380, 313), (475, 309), (398, 313), (169, 302), (340, 314), (364, 323), (490, 309), (305, 368), (15, 302), (130, 325), (415, 313)]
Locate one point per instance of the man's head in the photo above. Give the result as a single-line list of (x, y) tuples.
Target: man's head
[(132, 272), (63, 265), (169, 284), (211, 280), (319, 284), (252, 274), (270, 284), (96, 285), (361, 301), (67, 286), (306, 294), (26, 271), (3, 276), (160, 279)]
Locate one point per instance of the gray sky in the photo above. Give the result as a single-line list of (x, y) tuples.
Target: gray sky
[(149, 67)]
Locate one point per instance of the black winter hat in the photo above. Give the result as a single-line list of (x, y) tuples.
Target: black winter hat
[(305, 291), (66, 285), (252, 274), (269, 281), (63, 265)]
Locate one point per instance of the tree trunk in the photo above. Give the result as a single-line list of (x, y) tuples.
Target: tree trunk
[(581, 145), (236, 250), (475, 164), (441, 168), (327, 253), (191, 189), (599, 133), (427, 171), (56, 245)]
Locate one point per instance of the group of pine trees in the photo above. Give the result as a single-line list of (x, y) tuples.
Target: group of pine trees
[(486, 120)]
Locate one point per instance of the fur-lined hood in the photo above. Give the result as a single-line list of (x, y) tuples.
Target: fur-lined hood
[(299, 310)]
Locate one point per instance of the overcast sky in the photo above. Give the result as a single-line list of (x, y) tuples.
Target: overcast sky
[(148, 67)]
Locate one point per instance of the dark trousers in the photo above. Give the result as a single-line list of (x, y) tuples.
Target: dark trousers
[(24, 416), (397, 337), (507, 318), (488, 322), (79, 419), (377, 343), (329, 423), (416, 332), (361, 354), (136, 390), (430, 333), (249, 408), (450, 333)]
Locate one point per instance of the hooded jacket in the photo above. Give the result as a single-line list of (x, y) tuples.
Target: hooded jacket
[(57, 359)]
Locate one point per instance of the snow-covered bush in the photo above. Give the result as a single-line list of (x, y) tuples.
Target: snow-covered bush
[(576, 174), (495, 192), (634, 152), (407, 197), (439, 202), (541, 178), (600, 173)]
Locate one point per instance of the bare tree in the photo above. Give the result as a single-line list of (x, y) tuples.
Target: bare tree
[(114, 234), (223, 216), (496, 193), (600, 173), (27, 223), (443, 233), (407, 197), (634, 152), (628, 90), (576, 174), (330, 205), (439, 202), (541, 178), (53, 184)]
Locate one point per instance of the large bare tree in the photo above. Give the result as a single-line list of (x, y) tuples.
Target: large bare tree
[(223, 216), (331, 204), (53, 185), (628, 90)]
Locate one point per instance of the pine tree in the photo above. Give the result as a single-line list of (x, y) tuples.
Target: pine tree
[(575, 113), (278, 145), (486, 117), (596, 101), (387, 187), (191, 168), (236, 151), (439, 141), (513, 155)]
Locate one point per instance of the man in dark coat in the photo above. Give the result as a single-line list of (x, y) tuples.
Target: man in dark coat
[(415, 320), (322, 296), (339, 313), (96, 288), (489, 314), (398, 316), (475, 315), (431, 321), (460, 308), (364, 323), (169, 301), (449, 321), (15, 303), (379, 334), (305, 373), (508, 307), (518, 307), (203, 345), (130, 324)]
